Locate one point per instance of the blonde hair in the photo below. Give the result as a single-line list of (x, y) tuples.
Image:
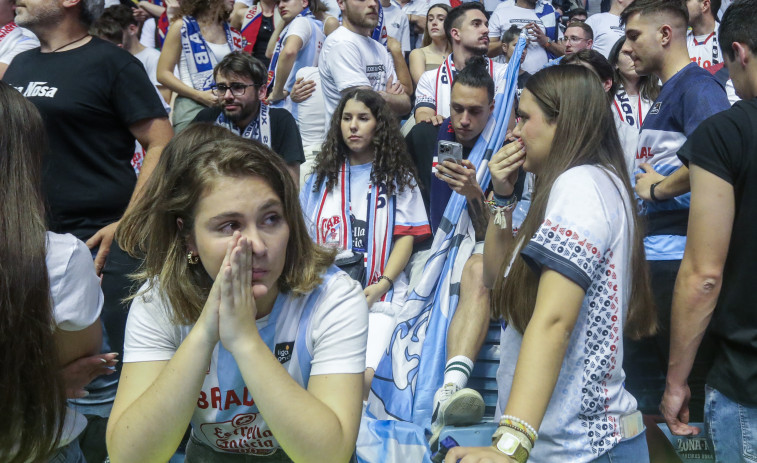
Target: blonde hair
[(569, 96), (189, 166)]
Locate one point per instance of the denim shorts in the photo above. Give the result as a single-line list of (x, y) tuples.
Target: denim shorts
[(633, 450), (732, 427)]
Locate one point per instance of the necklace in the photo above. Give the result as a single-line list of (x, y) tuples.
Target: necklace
[(71, 43)]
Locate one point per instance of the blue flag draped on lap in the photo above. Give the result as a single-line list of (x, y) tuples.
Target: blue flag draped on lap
[(398, 411)]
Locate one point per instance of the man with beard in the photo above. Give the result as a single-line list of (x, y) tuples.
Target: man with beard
[(352, 59), (467, 29), (240, 87)]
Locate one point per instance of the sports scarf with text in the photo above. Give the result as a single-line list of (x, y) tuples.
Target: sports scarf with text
[(329, 218), (200, 59), (305, 13), (251, 23), (444, 77), (399, 411), (259, 129)]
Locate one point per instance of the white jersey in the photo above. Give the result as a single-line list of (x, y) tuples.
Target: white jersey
[(585, 237), (352, 60), (507, 15), (311, 118), (14, 40), (427, 92), (310, 31), (397, 25), (704, 50), (607, 31), (320, 333)]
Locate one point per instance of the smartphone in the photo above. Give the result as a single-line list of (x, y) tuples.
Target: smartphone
[(450, 151)]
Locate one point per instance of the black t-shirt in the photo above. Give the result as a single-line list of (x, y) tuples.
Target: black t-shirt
[(88, 97), (285, 136), (264, 35), (726, 145)]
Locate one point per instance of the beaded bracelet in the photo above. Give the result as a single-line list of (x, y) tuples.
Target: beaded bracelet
[(519, 424), (520, 430), (384, 277)]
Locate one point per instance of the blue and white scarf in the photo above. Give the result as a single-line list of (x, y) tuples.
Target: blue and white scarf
[(412, 368), (200, 59), (258, 129), (329, 219)]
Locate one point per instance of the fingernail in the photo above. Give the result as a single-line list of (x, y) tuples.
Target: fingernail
[(103, 361)]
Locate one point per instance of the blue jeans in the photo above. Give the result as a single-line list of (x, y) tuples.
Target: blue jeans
[(732, 427), (633, 450), (71, 453)]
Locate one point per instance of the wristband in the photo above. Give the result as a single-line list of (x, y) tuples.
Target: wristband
[(502, 200), (384, 277), (526, 428), (651, 191)]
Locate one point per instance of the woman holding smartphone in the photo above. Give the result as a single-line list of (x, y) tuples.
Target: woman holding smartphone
[(363, 199), (569, 286)]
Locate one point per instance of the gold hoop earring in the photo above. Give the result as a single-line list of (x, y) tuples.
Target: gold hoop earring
[(192, 259)]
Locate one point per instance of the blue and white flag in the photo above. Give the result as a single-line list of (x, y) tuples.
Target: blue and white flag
[(412, 368)]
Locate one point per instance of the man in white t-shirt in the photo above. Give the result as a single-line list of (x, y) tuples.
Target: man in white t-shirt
[(299, 45), (466, 29), (397, 24), (351, 58), (539, 19), (607, 28), (702, 38), (13, 39)]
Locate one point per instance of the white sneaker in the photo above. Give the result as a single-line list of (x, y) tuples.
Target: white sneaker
[(455, 406)]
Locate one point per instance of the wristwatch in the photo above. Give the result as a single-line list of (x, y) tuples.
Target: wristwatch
[(512, 447)]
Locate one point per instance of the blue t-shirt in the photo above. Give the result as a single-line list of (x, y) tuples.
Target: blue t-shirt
[(688, 98)]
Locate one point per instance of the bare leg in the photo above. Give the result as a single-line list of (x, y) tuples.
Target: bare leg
[(469, 325)]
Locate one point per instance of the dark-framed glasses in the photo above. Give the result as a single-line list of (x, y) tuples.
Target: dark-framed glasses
[(237, 88)]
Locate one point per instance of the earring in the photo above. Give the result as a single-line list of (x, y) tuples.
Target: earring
[(192, 259)]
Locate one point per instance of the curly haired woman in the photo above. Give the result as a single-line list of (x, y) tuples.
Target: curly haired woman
[(363, 199)]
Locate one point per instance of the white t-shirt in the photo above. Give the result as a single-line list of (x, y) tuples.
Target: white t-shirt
[(321, 333), (149, 58), (147, 38), (397, 25), (585, 236), (507, 15), (426, 92), (311, 34), (15, 42), (311, 116), (77, 300), (352, 60), (607, 30)]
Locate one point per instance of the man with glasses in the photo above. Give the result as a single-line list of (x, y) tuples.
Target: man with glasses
[(240, 87), (578, 36)]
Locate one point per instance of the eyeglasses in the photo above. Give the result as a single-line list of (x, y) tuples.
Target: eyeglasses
[(573, 39), (237, 88)]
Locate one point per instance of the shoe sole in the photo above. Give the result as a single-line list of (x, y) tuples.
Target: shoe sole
[(466, 407)]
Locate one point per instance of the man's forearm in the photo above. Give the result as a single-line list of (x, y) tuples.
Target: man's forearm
[(400, 104), (479, 216), (694, 300), (673, 185)]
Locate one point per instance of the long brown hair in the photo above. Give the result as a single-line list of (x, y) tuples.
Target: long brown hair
[(214, 9), (569, 96), (31, 389), (392, 165), (190, 165), (426, 34), (649, 85)]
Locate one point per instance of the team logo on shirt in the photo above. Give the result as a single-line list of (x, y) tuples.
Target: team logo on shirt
[(283, 351), (38, 89), (656, 108), (372, 68)]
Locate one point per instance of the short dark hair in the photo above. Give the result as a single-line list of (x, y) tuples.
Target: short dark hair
[(598, 63), (714, 8), (582, 25), (108, 29), (122, 14), (476, 75), (510, 34), (242, 64), (650, 7), (453, 17), (739, 24), (575, 12)]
